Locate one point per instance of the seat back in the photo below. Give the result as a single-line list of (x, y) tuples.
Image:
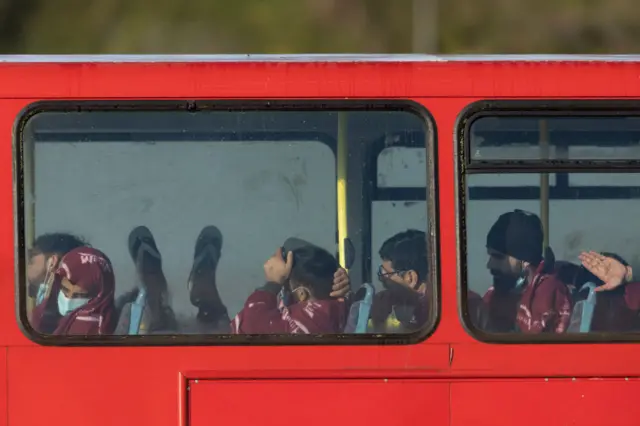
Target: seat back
[(137, 309), (360, 310), (583, 309)]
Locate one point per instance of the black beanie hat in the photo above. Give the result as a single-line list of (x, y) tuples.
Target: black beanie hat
[(518, 234)]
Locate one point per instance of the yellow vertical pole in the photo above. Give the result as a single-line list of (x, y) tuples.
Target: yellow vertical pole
[(342, 160)]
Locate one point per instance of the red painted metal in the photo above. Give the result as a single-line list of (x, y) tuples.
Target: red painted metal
[(448, 379), (318, 402), (542, 401)]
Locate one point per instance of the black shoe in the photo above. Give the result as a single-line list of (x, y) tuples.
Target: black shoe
[(203, 292), (210, 237), (139, 236), (148, 261)]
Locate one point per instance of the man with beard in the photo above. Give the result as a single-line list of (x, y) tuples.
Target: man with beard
[(403, 306), (526, 296)]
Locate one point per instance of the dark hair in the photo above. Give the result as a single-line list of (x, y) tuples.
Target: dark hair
[(615, 257), (407, 251), (56, 243), (314, 268)]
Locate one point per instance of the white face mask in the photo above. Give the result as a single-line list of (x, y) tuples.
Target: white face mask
[(66, 305)]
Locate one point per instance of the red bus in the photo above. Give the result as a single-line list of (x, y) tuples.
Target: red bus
[(348, 153)]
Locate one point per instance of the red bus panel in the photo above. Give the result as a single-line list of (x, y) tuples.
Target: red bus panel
[(546, 402), (318, 402)]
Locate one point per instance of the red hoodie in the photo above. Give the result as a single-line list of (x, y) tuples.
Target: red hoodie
[(476, 310), (544, 305), (632, 296), (265, 313), (617, 310), (91, 270)]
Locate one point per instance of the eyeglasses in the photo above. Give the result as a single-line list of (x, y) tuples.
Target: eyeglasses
[(383, 273)]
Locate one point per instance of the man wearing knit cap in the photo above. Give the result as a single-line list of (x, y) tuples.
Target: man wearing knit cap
[(526, 296)]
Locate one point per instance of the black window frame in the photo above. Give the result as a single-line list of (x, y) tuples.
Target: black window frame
[(465, 165), (236, 105)]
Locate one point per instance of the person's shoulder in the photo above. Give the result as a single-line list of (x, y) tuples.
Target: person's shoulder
[(553, 282), (472, 295), (326, 304), (488, 294), (383, 293)]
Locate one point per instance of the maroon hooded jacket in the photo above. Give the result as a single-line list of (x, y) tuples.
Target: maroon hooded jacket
[(618, 310), (632, 296), (476, 310), (265, 313), (544, 305), (91, 270)]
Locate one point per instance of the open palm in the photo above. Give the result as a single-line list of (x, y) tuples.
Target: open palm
[(610, 271)]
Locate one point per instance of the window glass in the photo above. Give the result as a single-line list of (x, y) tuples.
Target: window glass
[(538, 244), (534, 138), (175, 222), (399, 167)]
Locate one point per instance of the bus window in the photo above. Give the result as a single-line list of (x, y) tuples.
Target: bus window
[(575, 138), (399, 222), (531, 225), (207, 222), (398, 167)]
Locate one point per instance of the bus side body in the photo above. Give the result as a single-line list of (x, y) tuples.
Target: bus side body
[(448, 378)]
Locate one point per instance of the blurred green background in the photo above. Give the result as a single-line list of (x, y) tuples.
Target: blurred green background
[(319, 26)]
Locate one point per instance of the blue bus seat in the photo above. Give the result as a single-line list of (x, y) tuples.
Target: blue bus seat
[(360, 310), (582, 314), (137, 309)]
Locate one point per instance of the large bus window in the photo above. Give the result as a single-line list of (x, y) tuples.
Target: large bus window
[(215, 223), (550, 245)]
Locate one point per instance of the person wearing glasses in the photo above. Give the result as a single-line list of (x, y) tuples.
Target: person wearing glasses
[(402, 307)]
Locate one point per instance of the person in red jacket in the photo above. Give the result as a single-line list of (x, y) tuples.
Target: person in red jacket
[(81, 300), (526, 296), (476, 310), (307, 276)]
